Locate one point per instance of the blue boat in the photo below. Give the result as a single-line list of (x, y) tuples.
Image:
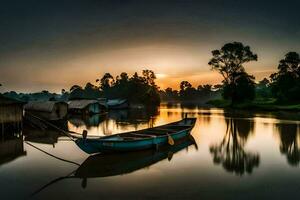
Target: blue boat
[(116, 163), (139, 140)]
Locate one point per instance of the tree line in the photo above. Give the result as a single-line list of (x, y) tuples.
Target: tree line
[(139, 89), (237, 86)]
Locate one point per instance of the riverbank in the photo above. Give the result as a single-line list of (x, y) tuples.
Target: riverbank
[(259, 104)]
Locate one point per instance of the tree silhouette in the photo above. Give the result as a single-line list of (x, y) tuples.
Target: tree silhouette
[(106, 81), (75, 87), (136, 89), (243, 88), (263, 89), (230, 152), (228, 61), (184, 85), (149, 77), (285, 83), (187, 91), (291, 63)]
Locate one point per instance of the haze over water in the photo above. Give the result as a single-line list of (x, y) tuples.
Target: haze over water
[(234, 154)]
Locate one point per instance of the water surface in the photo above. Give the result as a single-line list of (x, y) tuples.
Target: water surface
[(233, 154)]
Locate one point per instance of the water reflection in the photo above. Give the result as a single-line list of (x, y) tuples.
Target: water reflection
[(230, 153), (44, 133), (114, 164), (289, 142), (121, 120), (11, 147), (86, 120), (239, 143), (134, 116), (11, 138)]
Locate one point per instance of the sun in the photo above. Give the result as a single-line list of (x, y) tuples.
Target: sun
[(160, 75)]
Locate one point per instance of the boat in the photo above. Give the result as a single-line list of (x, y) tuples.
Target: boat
[(138, 140), (115, 163), (117, 104)]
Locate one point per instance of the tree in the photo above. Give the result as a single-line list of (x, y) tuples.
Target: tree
[(263, 88), (285, 83), (218, 87), (184, 85), (149, 77), (243, 89), (124, 77), (136, 89), (205, 88), (106, 81), (291, 63), (75, 87), (228, 61), (169, 94)]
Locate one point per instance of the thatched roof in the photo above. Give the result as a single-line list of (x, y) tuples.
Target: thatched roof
[(115, 102), (44, 106), (81, 104)]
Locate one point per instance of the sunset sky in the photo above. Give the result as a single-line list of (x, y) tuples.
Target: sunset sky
[(55, 44)]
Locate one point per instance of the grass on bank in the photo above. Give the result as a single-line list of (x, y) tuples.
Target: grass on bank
[(257, 104)]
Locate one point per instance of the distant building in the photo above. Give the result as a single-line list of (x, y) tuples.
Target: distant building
[(49, 110), (86, 106), (118, 104)]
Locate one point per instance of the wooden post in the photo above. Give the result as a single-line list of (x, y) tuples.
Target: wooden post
[(2, 127)]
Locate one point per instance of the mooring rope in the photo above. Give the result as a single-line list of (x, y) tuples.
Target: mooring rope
[(49, 154), (54, 126), (69, 134), (52, 182)]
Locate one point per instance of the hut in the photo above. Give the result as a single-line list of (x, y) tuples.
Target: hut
[(85, 106), (11, 114), (103, 101), (117, 104), (49, 110)]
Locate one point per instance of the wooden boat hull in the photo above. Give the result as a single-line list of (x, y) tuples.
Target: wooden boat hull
[(111, 143)]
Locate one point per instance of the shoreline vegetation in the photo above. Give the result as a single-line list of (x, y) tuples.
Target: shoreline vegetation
[(256, 105), (238, 90)]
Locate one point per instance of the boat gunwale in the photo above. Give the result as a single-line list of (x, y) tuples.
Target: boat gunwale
[(188, 127)]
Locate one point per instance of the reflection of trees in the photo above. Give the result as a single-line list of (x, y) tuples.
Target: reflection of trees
[(231, 153), (134, 116), (289, 142), (87, 120)]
